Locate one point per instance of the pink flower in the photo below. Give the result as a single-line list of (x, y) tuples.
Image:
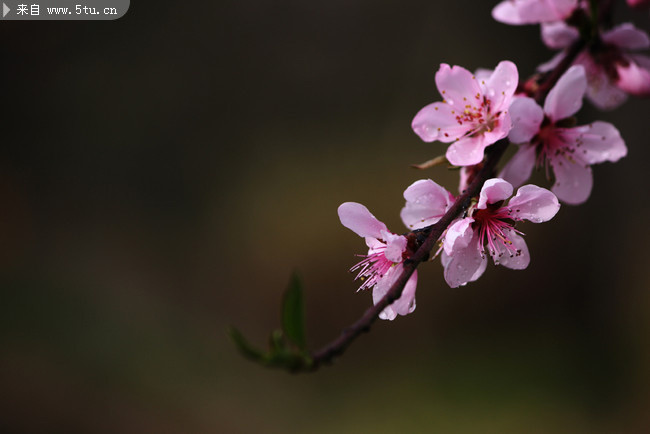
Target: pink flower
[(518, 12), (612, 70), (546, 140), (473, 113), (638, 3), (490, 225), (426, 203), (383, 264)]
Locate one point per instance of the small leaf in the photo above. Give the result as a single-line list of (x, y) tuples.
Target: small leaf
[(293, 316), (277, 342), (244, 347)]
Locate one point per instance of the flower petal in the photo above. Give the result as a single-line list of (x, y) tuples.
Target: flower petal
[(437, 121), (501, 86), (426, 203), (494, 190), (558, 35), (467, 151), (633, 79), (374, 245), (395, 246), (527, 116), (358, 219), (482, 75), (573, 180), (552, 63), (445, 260), (502, 126), (533, 11), (466, 264), (637, 3), (540, 11), (600, 90), (565, 99), (599, 142), (506, 12), (519, 168), (628, 37), (456, 83), (514, 260), (458, 235), (533, 203), (405, 304)]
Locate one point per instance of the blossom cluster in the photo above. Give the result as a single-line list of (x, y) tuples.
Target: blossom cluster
[(613, 67), (482, 108)]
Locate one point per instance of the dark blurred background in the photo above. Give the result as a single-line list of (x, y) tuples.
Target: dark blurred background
[(162, 175)]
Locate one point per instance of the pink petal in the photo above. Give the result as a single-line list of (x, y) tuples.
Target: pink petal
[(573, 181), (458, 235), (374, 245), (565, 99), (426, 202), (598, 142), (445, 260), (600, 90), (533, 11), (463, 183), (500, 130), (506, 12), (437, 122), (395, 246), (633, 79), (552, 63), (526, 117), (358, 219), (505, 257), (501, 85), (533, 203), (540, 11), (483, 75), (405, 304), (628, 37), (638, 3), (494, 190), (480, 270), (382, 287), (467, 151), (519, 168), (466, 264), (456, 83), (558, 35)]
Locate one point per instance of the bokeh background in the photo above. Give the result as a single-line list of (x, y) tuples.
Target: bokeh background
[(162, 175)]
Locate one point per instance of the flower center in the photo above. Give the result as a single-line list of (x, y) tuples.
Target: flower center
[(552, 145), (494, 227), (478, 116)]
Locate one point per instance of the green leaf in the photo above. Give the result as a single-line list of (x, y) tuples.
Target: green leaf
[(293, 316), (244, 347)]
